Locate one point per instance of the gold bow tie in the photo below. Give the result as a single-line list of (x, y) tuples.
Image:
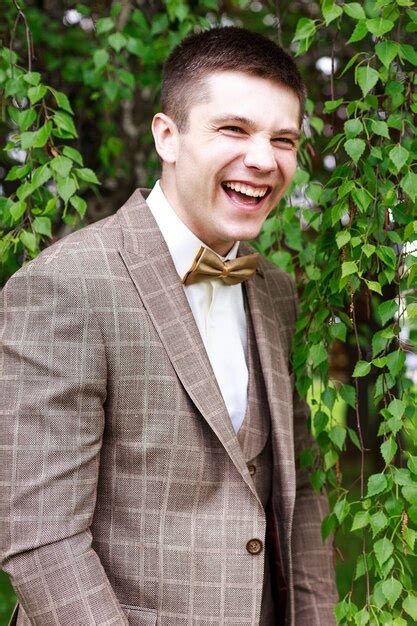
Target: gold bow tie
[(207, 264)]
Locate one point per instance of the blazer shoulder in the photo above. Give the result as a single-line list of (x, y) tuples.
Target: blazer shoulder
[(281, 284), (277, 274), (283, 295), (82, 252)]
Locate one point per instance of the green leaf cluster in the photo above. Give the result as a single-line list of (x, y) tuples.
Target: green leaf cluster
[(358, 266)]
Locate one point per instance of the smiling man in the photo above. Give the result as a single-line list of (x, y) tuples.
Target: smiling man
[(237, 156), (151, 429)]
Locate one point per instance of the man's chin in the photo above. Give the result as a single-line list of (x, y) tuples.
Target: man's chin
[(246, 234), (250, 231)]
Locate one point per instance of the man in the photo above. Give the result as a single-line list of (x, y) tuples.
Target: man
[(150, 440)]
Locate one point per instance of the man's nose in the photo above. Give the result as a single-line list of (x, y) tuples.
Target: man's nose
[(260, 154)]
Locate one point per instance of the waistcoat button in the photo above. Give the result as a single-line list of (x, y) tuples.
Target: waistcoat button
[(252, 470), (254, 546)]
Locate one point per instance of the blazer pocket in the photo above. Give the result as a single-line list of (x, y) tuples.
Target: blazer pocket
[(138, 616)]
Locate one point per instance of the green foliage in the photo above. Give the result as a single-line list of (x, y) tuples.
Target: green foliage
[(47, 181), (7, 599), (360, 247), (102, 67)]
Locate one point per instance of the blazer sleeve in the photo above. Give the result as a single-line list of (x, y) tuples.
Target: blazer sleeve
[(313, 561), (53, 386)]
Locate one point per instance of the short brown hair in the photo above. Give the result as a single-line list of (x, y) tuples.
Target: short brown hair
[(222, 49)]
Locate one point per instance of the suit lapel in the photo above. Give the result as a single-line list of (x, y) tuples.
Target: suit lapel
[(277, 382), (151, 268)]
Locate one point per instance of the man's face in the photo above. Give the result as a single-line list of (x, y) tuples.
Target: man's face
[(236, 158)]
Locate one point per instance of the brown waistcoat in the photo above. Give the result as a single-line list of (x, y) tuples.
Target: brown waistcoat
[(255, 441)]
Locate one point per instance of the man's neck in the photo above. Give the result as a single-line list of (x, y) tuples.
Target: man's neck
[(221, 248)]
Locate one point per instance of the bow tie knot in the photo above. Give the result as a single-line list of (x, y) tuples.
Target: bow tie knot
[(226, 270), (207, 264)]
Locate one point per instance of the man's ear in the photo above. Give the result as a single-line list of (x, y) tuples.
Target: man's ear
[(165, 134)]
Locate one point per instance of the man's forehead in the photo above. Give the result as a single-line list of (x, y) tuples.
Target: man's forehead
[(228, 95), (232, 79)]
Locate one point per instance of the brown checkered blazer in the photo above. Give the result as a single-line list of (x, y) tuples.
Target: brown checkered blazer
[(126, 498)]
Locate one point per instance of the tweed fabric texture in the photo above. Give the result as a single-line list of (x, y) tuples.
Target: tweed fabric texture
[(123, 482), (255, 441)]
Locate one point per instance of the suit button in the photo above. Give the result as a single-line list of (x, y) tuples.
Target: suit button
[(254, 546), (252, 470)]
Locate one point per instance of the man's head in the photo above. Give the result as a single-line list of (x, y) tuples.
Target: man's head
[(219, 50), (232, 103)]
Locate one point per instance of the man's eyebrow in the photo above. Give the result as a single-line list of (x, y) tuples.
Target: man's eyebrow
[(295, 133), (235, 118), (224, 119)]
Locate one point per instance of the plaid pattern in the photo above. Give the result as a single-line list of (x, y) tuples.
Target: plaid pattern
[(255, 441), (124, 484)]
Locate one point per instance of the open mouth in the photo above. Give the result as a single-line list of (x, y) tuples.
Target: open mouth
[(245, 194)]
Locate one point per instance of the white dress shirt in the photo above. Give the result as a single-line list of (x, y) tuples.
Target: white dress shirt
[(217, 308)]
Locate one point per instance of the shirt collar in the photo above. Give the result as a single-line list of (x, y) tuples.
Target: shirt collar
[(181, 241)]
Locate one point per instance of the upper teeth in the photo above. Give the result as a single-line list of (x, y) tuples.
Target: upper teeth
[(255, 192)]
